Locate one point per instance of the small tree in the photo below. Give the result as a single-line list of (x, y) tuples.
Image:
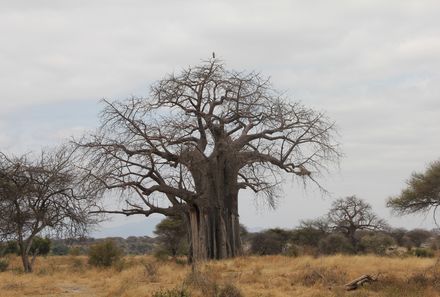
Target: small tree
[(172, 235), (352, 214), (42, 195), (421, 194)]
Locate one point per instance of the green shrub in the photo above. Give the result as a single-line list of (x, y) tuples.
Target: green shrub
[(177, 292), (104, 254), (423, 253), (4, 263), (40, 246)]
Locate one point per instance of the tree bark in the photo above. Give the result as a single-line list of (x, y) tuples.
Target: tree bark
[(213, 218), (27, 264), (214, 233)]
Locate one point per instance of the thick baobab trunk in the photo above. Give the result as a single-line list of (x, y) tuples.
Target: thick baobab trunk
[(213, 218), (215, 233)]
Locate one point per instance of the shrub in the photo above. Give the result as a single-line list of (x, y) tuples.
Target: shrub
[(292, 250), (60, 249), (423, 253), (9, 247), (40, 246), (376, 243), (4, 263), (335, 243), (177, 292), (104, 254), (270, 242)]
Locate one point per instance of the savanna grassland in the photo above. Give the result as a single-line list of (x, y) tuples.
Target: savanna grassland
[(270, 276)]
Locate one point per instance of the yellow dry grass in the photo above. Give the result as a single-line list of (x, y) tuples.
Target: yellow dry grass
[(271, 276)]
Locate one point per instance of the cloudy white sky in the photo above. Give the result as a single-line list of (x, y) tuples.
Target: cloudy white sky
[(372, 66)]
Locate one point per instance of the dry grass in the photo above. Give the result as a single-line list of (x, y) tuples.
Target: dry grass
[(272, 276)]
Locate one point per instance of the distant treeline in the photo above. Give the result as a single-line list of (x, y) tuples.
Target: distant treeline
[(310, 238)]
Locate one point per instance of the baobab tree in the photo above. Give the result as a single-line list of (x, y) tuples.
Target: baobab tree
[(199, 138), (352, 214), (43, 195)]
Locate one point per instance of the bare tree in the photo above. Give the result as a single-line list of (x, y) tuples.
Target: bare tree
[(351, 214), (43, 195), (200, 138)]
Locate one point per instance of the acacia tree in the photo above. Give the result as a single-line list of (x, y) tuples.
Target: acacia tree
[(197, 140), (351, 214), (171, 233), (44, 195), (422, 193)]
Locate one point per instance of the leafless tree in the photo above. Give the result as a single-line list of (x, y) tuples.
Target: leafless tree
[(201, 137), (42, 195), (351, 214)]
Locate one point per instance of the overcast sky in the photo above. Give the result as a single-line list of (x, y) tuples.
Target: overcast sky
[(372, 66)]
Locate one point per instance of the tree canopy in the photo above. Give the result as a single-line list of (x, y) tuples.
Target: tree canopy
[(422, 193)]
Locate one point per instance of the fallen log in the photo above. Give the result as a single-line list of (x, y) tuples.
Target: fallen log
[(360, 281)]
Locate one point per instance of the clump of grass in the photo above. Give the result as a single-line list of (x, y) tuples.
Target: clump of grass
[(177, 292), (151, 271), (229, 290), (206, 283), (328, 276), (76, 264)]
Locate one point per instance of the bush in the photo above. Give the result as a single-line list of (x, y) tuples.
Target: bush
[(423, 253), (60, 249), (104, 254), (4, 263), (10, 247), (270, 242), (334, 244), (377, 243), (40, 246), (172, 293)]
